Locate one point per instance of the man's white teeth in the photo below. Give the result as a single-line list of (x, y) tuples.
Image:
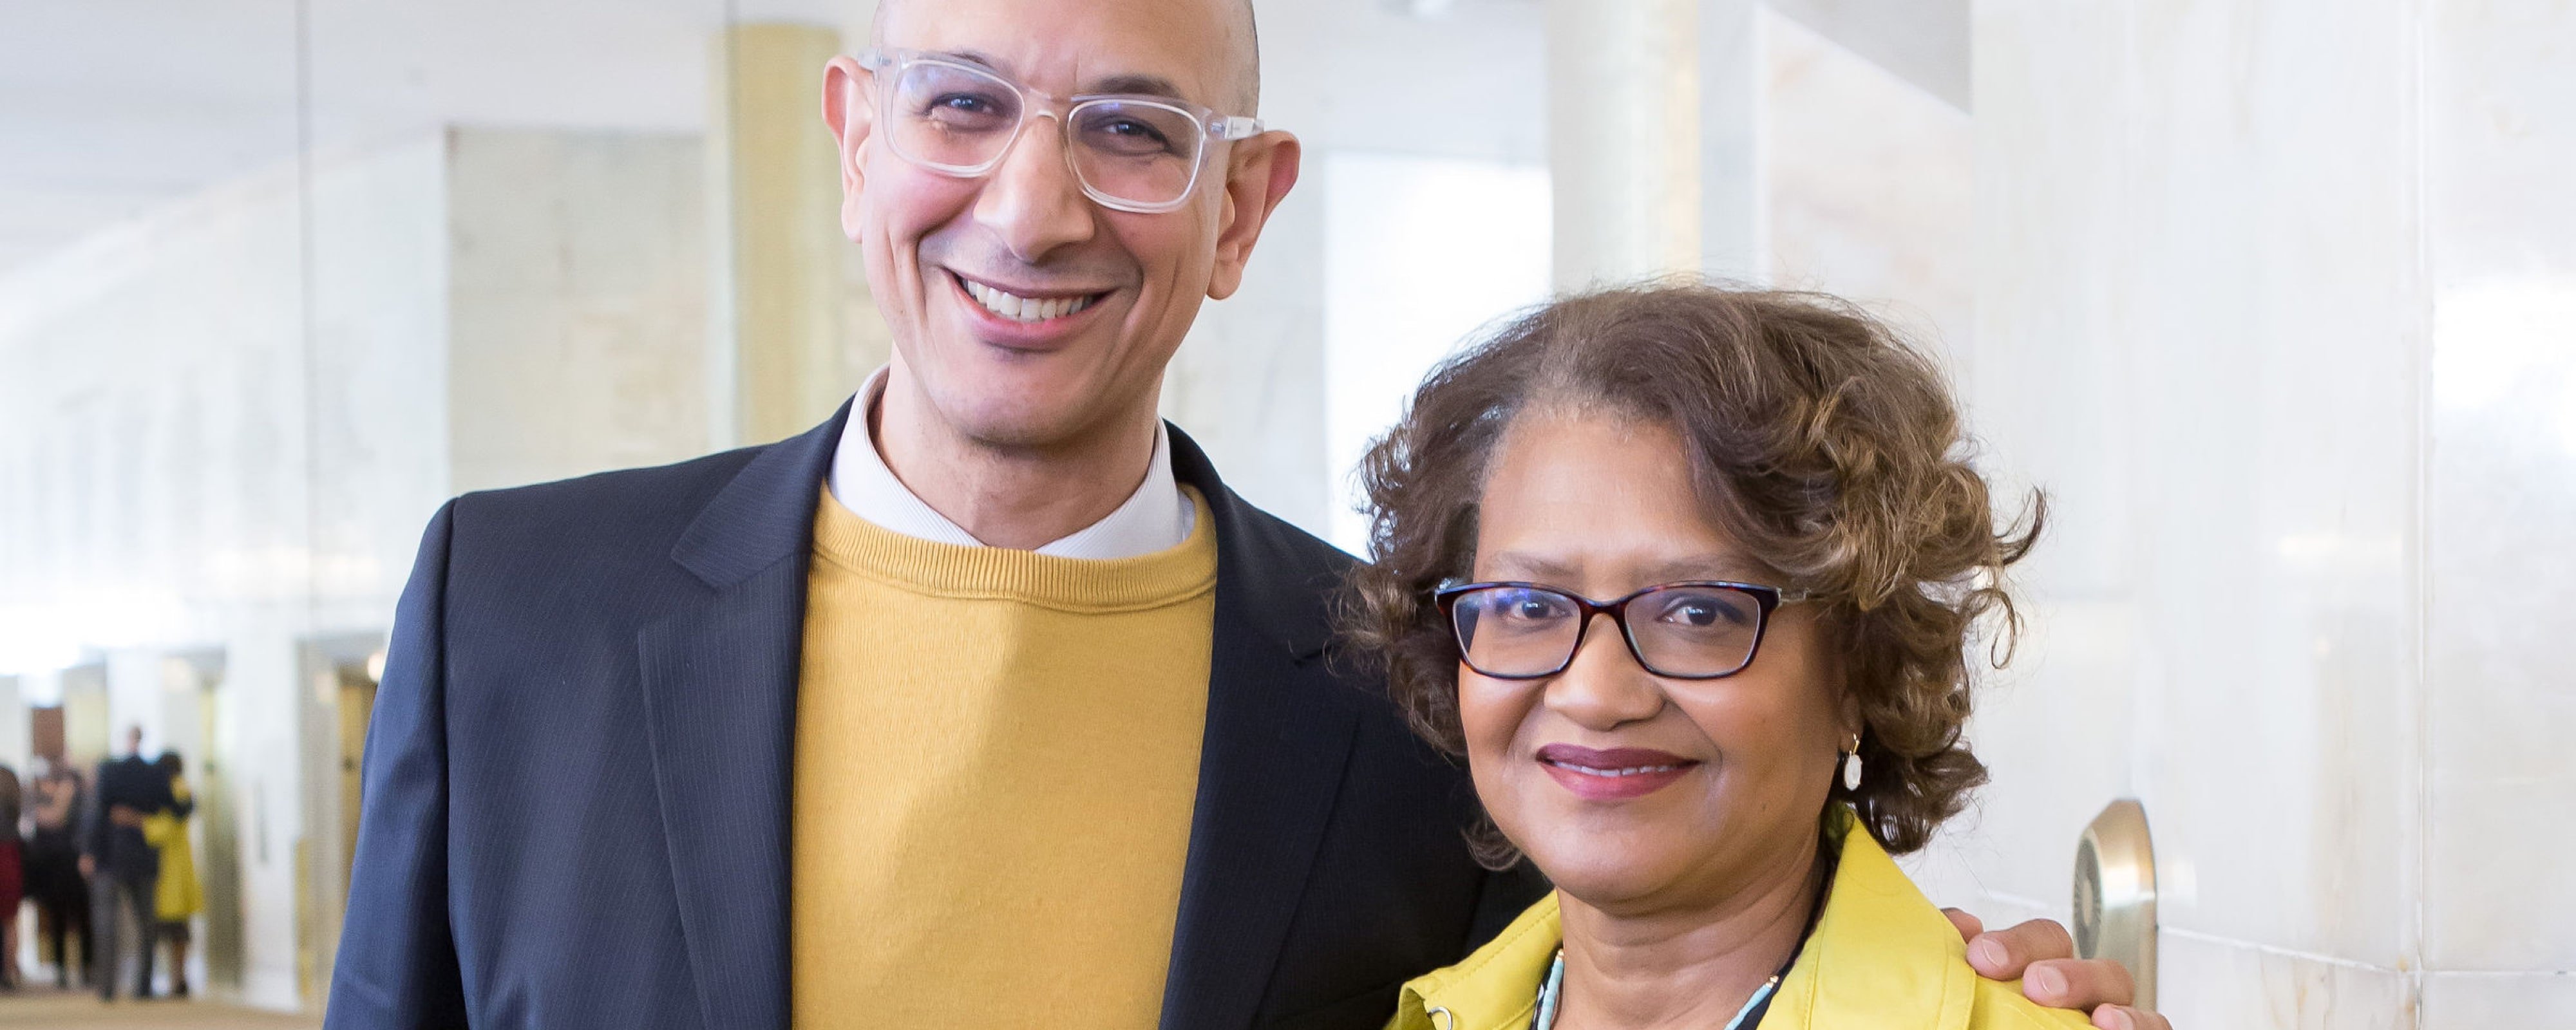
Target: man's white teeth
[(1633, 770), (1023, 309)]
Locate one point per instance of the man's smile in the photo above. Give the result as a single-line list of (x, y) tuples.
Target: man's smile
[(1020, 316)]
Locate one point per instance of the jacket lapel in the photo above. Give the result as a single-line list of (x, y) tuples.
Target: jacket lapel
[(1880, 955), (1270, 763), (719, 681)]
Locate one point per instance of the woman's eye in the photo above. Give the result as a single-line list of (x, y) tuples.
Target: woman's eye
[(1702, 613), (1531, 607)]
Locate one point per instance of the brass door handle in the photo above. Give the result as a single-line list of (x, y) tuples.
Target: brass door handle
[(2115, 894)]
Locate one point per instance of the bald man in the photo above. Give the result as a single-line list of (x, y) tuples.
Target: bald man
[(985, 703)]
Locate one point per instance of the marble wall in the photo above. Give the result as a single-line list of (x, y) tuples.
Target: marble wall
[(225, 425), (1348, 77), (2498, 495), (2274, 302)]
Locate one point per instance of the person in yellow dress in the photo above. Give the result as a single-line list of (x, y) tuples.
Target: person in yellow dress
[(178, 897), (1689, 577)]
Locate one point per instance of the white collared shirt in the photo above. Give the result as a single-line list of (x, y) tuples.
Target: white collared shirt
[(1157, 517)]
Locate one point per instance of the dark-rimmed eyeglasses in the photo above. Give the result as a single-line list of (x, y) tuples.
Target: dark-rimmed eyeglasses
[(1131, 153), (1694, 631)]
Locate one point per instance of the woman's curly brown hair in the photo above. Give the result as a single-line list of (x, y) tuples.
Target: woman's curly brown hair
[(1822, 443)]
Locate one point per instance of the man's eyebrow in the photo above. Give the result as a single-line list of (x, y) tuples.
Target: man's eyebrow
[(1127, 84), (1135, 84), (973, 57)]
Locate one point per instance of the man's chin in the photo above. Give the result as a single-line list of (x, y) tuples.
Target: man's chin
[(1013, 426)]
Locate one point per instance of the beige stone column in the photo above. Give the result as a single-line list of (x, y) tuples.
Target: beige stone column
[(779, 355), (1624, 138)]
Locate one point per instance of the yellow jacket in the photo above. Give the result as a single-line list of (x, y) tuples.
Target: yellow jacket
[(178, 896), (1881, 956)]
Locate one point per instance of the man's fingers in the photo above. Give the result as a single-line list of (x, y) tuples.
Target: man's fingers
[(2077, 983), (2007, 954), (1969, 925), (2122, 1017)]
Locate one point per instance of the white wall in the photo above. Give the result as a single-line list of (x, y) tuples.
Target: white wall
[(1420, 255), (1347, 77), (1868, 187), (224, 433), (2239, 269), (2498, 496), (576, 304)]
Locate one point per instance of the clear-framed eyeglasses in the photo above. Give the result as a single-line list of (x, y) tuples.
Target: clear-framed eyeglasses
[(1130, 153)]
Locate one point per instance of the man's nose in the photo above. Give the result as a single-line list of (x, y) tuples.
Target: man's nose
[(1604, 686), (1032, 200)]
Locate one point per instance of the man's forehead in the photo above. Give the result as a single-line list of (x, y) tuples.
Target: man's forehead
[(1199, 50)]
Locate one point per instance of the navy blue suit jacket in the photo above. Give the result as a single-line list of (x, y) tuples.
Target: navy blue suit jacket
[(576, 782)]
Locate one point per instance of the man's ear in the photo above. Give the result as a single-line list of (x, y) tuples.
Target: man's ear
[(849, 115), (1258, 176)]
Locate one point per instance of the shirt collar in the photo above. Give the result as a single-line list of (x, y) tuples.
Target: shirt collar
[(1156, 517), (1880, 955)]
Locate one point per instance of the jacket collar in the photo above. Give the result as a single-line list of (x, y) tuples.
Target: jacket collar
[(1270, 765), (719, 682), (1881, 955), (1284, 601)]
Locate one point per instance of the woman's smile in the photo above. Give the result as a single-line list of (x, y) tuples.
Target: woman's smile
[(1616, 774)]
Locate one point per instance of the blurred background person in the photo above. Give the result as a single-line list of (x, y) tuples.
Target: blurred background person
[(177, 897), (13, 876), (122, 866), (54, 876)]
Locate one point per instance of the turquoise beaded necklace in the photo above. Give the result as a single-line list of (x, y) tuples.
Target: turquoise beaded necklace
[(1554, 990)]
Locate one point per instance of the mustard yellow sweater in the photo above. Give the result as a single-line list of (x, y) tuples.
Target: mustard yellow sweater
[(996, 753)]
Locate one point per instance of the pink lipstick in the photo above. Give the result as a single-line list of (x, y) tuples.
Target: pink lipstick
[(1614, 774)]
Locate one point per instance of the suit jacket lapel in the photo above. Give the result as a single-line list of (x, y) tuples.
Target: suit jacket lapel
[(1270, 764), (719, 681)]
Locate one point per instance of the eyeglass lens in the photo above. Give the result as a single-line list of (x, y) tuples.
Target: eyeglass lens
[(1680, 631), (960, 120)]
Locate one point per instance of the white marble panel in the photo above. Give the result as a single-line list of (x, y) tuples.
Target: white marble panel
[(576, 312), (2501, 563), (2480, 1001), (380, 393), (1466, 81), (1248, 382), (1422, 255), (2212, 982), (2187, 336), (1869, 187), (152, 418)]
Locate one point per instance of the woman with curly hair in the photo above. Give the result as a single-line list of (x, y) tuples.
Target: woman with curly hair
[(1689, 577)]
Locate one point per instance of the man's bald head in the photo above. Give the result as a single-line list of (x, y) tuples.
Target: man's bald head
[(1239, 41)]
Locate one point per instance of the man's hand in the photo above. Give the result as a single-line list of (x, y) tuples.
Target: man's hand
[(89, 867), (2041, 955), (123, 815)]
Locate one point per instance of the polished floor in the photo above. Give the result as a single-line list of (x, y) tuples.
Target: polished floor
[(35, 1008)]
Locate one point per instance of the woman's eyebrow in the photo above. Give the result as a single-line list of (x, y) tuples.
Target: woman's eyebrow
[(1711, 566), (1517, 565)]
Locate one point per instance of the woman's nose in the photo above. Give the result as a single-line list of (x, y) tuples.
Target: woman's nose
[(1604, 686)]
